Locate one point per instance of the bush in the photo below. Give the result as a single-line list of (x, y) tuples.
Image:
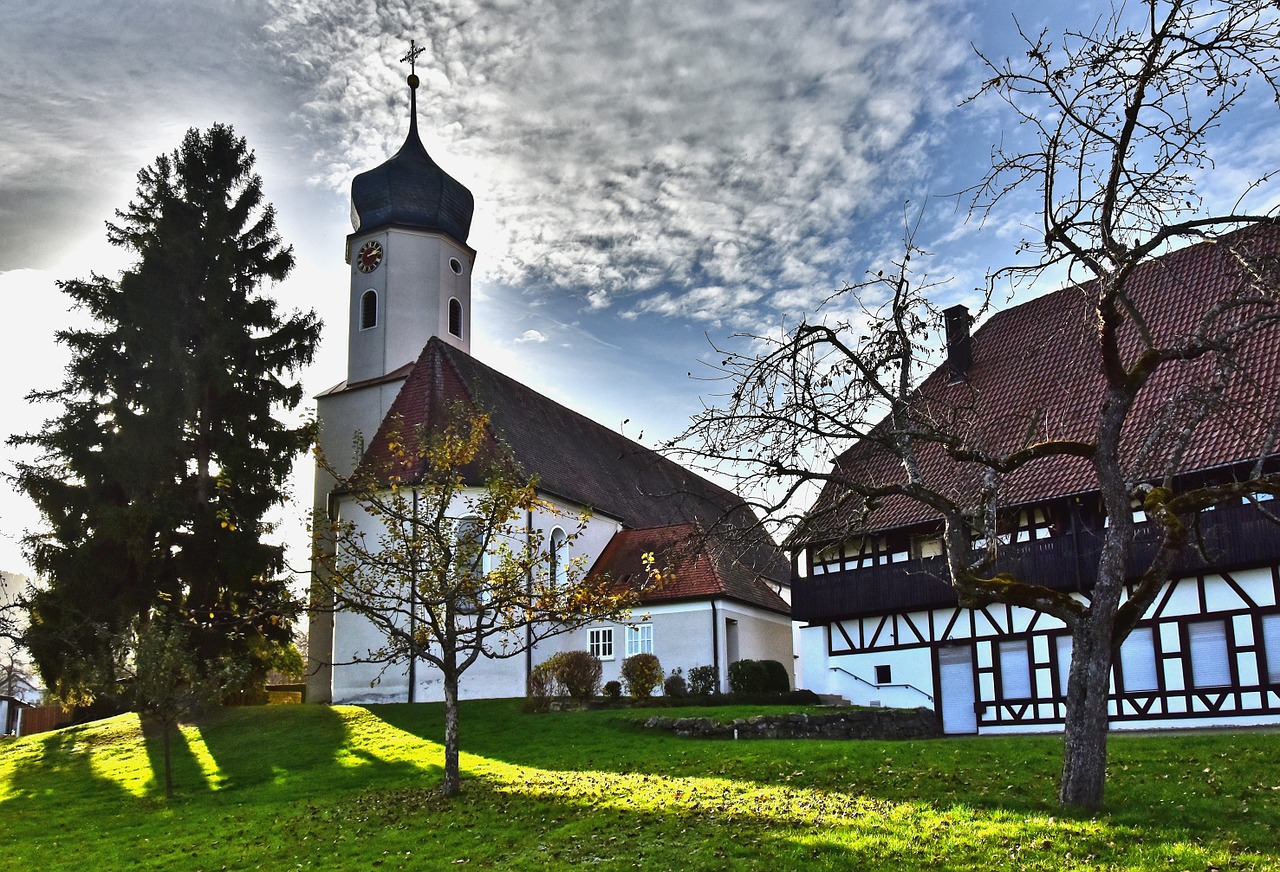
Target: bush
[(702, 681), (543, 685), (758, 676), (675, 684), (613, 690), (579, 672), (642, 673)]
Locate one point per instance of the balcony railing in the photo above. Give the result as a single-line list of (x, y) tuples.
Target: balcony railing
[(1233, 537)]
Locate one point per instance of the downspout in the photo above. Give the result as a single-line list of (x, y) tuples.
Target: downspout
[(528, 629), (715, 643), (413, 606)]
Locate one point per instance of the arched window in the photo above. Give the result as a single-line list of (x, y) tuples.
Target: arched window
[(471, 564), (455, 317), (559, 557), (368, 310)]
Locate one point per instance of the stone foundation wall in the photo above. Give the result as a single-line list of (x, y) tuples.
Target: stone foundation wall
[(921, 723)]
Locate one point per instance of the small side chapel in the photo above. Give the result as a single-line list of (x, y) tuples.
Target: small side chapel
[(409, 343)]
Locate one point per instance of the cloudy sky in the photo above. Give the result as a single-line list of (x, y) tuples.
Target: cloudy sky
[(647, 175)]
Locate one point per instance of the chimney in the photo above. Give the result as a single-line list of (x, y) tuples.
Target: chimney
[(959, 344)]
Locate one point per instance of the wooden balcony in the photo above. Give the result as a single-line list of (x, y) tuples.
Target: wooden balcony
[(1234, 537)]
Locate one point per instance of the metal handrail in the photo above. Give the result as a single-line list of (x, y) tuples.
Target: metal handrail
[(878, 686)]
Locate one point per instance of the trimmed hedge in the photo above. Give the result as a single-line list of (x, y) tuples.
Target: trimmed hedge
[(758, 676)]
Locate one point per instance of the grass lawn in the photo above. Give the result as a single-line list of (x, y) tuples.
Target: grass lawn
[(289, 787)]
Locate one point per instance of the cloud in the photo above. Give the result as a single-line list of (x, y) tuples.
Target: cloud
[(531, 336), (639, 152)]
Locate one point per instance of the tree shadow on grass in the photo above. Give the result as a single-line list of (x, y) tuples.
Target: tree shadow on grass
[(55, 797), (990, 775), (552, 820), (321, 754), (189, 777)]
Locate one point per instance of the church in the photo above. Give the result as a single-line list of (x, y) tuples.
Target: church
[(409, 343)]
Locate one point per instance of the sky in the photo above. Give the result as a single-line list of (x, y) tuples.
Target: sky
[(650, 177)]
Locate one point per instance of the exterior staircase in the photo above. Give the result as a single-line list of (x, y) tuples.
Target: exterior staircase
[(833, 699)]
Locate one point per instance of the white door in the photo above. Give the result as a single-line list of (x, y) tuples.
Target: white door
[(955, 670)]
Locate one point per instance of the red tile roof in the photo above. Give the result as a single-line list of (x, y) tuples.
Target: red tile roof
[(692, 565), (576, 459), (1037, 374)]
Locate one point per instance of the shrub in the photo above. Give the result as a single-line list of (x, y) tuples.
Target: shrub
[(642, 673), (543, 685), (758, 676), (702, 681), (579, 672), (613, 690), (675, 684)]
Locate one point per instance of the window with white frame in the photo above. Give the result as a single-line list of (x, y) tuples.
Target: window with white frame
[(640, 639), (559, 557), (600, 642), (471, 563)]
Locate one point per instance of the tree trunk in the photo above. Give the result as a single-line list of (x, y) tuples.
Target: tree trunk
[(1084, 758), (452, 781)]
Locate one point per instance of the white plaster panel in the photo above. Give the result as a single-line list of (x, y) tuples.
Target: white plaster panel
[(817, 663), (1243, 625), (908, 665)]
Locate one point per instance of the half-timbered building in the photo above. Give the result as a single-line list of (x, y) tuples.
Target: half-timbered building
[(881, 622)]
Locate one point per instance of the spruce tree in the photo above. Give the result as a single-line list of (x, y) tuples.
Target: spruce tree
[(169, 452)]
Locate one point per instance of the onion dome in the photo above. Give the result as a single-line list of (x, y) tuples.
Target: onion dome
[(410, 190)]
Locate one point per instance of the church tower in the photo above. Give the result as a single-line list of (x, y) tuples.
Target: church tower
[(410, 263), (410, 270)]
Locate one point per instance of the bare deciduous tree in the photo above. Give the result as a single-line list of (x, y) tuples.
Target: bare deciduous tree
[(434, 549), (1122, 123)]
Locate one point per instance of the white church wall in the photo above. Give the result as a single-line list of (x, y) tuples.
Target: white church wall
[(353, 636)]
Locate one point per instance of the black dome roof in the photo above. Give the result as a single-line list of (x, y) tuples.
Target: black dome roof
[(410, 190)]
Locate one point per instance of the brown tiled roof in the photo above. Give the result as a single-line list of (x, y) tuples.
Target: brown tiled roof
[(575, 458), (1037, 374), (693, 567)]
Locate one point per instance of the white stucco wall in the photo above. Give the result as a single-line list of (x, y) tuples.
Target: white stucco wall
[(414, 284), (683, 636), (354, 637)]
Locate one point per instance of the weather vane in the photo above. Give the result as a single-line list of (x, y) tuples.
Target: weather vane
[(412, 55)]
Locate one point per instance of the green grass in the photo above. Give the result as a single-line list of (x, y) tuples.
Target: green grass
[(290, 787)]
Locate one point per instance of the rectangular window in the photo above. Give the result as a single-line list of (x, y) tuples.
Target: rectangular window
[(600, 642), (1271, 642), (640, 639), (1138, 661), (1210, 665), (1015, 670), (884, 674)]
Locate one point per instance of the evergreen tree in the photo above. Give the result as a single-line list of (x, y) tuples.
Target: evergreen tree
[(156, 477)]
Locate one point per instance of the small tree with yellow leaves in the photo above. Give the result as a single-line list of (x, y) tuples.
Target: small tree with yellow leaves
[(436, 549)]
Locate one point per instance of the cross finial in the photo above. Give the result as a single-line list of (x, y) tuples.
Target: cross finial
[(412, 55)]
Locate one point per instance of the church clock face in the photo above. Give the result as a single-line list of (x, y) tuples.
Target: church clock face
[(369, 257)]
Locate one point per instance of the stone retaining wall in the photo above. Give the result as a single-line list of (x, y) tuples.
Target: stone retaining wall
[(919, 723)]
